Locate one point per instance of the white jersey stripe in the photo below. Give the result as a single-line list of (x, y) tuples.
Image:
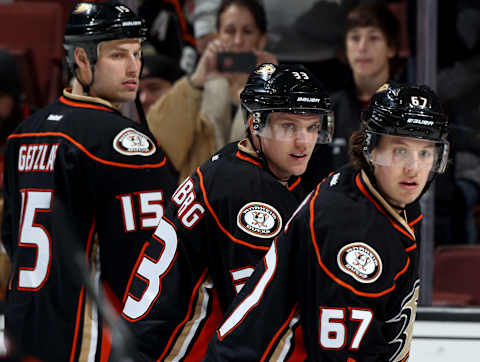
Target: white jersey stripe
[(252, 300)]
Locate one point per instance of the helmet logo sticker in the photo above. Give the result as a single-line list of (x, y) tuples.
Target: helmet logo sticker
[(259, 219), (82, 8), (384, 87), (131, 142), (360, 261), (266, 70)]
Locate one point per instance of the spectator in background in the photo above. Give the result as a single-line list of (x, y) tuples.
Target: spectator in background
[(205, 22), (458, 87), (158, 74), (371, 42), (200, 113)]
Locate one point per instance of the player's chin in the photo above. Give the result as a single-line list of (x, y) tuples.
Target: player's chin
[(298, 170), (126, 97)]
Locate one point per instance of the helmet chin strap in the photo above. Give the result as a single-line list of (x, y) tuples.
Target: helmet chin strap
[(85, 86), (261, 156)]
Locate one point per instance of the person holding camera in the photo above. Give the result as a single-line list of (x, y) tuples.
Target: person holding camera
[(200, 113)]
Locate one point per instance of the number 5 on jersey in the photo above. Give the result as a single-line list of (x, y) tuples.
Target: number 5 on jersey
[(34, 235)]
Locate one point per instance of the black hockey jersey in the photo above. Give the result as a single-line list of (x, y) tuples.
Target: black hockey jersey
[(218, 225), (77, 172), (346, 269)]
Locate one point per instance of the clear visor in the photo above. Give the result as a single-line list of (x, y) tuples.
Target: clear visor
[(307, 125), (409, 153)]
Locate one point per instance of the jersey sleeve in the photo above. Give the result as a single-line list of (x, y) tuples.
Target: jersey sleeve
[(170, 297), (263, 320)]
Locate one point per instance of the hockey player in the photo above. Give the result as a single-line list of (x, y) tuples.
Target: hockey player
[(348, 259), (78, 173), (222, 219)]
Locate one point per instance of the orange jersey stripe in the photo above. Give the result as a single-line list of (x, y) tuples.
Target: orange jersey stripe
[(365, 192), (225, 231), (248, 159), (295, 184), (410, 248), (83, 105), (407, 264), (280, 331), (88, 153), (411, 223), (326, 270)]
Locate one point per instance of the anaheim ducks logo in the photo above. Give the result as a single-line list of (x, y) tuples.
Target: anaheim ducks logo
[(383, 87), (259, 219), (360, 261), (266, 70), (131, 142), (82, 8)]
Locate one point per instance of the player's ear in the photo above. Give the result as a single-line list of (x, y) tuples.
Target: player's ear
[(81, 58)]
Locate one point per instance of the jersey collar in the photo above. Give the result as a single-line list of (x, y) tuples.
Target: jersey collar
[(247, 153), (76, 100), (365, 186)]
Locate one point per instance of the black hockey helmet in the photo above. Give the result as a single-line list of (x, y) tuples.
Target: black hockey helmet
[(285, 88), (91, 23), (407, 111)]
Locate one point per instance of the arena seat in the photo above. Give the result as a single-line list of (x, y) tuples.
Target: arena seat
[(399, 9), (66, 5), (36, 27), (456, 275)]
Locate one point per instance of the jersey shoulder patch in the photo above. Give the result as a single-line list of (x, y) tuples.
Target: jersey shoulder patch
[(360, 261), (131, 142), (259, 219)]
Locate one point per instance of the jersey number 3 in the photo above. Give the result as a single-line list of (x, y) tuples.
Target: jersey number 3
[(34, 235)]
